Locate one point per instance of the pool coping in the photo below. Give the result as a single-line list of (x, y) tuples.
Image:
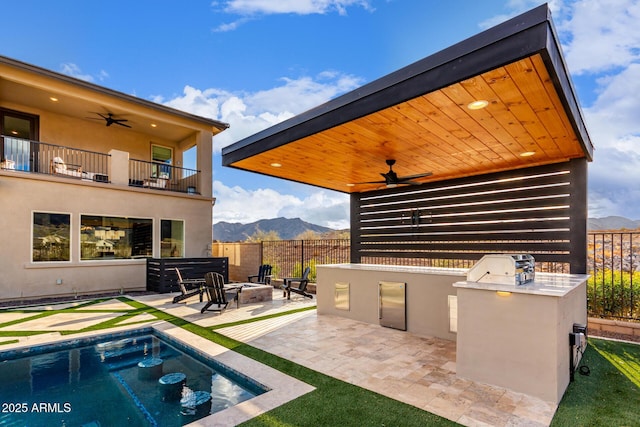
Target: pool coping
[(281, 387)]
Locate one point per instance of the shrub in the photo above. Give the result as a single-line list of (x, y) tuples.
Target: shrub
[(614, 294)]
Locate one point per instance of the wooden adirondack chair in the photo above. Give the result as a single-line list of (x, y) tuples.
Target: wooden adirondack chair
[(217, 294), (263, 277), (302, 284)]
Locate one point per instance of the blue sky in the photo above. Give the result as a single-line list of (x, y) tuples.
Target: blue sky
[(254, 63)]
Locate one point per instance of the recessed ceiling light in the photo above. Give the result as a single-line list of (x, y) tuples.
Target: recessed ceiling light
[(351, 185), (477, 105), (153, 125), (14, 132), (527, 154), (276, 165), (53, 99)]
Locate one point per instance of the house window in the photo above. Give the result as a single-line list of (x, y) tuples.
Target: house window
[(162, 158), (105, 237), (51, 237), (171, 238)]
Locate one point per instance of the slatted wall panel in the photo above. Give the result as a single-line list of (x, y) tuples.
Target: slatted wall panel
[(540, 211), (162, 277)]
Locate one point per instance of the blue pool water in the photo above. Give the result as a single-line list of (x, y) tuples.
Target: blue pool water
[(114, 381)]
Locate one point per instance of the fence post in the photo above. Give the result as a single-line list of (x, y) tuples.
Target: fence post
[(302, 257)]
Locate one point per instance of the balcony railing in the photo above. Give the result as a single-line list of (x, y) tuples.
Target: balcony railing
[(39, 157), (161, 176)]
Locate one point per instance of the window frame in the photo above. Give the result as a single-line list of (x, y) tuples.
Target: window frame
[(183, 249), (114, 216), (70, 239), (157, 165)]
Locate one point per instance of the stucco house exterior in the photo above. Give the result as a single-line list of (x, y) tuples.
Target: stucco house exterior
[(94, 181)]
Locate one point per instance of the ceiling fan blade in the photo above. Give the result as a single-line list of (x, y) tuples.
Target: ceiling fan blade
[(416, 176), (119, 122), (370, 182)]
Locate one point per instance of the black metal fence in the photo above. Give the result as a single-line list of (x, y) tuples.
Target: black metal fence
[(614, 264), (161, 176), (290, 257), (613, 261)]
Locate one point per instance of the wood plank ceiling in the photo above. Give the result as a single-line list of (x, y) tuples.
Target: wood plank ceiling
[(524, 124)]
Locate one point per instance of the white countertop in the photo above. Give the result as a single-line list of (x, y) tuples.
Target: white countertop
[(398, 269), (548, 284)]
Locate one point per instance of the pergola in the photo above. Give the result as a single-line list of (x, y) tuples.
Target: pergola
[(496, 121)]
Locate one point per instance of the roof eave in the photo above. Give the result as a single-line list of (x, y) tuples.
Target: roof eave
[(220, 126)]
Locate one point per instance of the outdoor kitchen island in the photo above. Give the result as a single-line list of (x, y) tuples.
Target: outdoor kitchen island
[(351, 290), (515, 337)]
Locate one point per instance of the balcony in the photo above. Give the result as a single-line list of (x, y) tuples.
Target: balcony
[(160, 176), (23, 155), (40, 157)]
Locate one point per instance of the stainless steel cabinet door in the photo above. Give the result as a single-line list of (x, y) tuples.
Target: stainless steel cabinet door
[(392, 310)]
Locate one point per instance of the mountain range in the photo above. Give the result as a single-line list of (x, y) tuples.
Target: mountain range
[(287, 229), (290, 228), (612, 223)]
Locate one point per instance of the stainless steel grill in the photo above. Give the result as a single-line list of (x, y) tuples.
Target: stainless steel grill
[(504, 269)]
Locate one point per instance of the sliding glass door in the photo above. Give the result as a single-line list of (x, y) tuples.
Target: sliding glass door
[(17, 130)]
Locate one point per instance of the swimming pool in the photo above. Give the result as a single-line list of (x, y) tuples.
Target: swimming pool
[(116, 379)]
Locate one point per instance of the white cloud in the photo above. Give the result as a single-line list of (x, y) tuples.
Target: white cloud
[(103, 75), (602, 35), (321, 207), (73, 70), (300, 7), (615, 132), (516, 7), (248, 9), (597, 35), (614, 114), (248, 113), (205, 103)]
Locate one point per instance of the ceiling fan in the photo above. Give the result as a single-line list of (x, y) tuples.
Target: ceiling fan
[(110, 120), (391, 179)]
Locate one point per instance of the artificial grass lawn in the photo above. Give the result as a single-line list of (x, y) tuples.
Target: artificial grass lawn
[(610, 394)]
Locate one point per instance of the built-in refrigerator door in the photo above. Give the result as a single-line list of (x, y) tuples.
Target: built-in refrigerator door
[(392, 309)]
